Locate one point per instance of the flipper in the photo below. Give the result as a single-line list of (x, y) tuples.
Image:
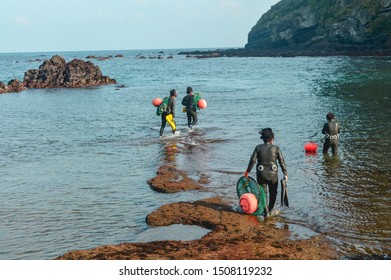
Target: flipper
[(284, 194)]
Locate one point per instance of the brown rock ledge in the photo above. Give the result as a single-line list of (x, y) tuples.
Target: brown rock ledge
[(169, 179), (233, 236)]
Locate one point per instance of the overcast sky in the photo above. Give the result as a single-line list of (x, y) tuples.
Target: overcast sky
[(77, 25)]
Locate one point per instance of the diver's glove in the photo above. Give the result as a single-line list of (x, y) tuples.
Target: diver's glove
[(286, 178), (246, 174)]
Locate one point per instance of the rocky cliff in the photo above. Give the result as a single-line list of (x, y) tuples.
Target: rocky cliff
[(323, 25)]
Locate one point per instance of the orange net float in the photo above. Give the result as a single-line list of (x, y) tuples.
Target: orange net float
[(249, 203), (157, 101), (202, 104), (311, 147)]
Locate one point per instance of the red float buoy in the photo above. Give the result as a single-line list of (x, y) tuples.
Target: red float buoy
[(249, 203), (311, 147), (157, 101), (202, 104)]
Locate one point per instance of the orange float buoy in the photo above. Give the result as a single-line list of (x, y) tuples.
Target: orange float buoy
[(311, 147), (249, 203), (157, 101), (202, 103)]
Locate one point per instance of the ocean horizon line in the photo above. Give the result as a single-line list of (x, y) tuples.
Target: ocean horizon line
[(118, 50)]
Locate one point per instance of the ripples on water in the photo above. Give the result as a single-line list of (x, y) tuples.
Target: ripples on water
[(74, 162)]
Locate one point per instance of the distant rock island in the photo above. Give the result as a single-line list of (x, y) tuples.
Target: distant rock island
[(319, 27), (57, 73)]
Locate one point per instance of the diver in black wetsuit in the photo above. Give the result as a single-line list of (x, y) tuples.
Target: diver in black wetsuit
[(191, 107), (169, 111), (266, 155), (331, 129)]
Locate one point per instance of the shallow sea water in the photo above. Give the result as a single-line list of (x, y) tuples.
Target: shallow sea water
[(74, 163)]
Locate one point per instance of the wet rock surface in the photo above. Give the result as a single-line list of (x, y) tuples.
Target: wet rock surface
[(233, 236), (169, 179)]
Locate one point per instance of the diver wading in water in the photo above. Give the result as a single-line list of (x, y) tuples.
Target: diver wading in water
[(331, 129), (191, 107), (168, 115), (266, 156)]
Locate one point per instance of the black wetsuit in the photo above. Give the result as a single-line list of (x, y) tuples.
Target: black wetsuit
[(191, 109), (170, 110), (332, 130), (266, 155)]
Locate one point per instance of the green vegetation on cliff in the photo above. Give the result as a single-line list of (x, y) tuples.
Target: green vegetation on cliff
[(324, 24)]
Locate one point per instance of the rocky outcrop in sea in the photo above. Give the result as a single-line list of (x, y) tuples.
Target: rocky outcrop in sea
[(57, 73)]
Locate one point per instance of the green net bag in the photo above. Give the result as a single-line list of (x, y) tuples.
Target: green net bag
[(249, 185)]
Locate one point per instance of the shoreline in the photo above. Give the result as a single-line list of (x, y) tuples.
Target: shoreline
[(241, 52), (233, 235)]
